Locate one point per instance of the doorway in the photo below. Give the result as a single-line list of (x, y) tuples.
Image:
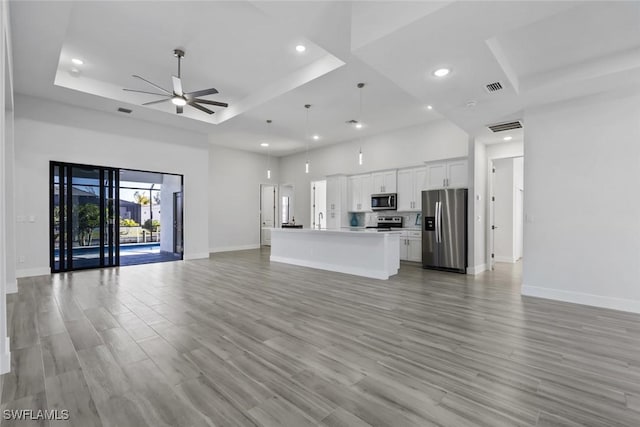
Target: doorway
[(268, 198), (506, 212), (108, 217)]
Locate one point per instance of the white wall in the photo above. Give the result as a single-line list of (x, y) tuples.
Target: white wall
[(7, 238), (582, 210), (518, 207), (477, 209), (505, 149), (234, 203), (406, 147), (170, 184), (503, 190), (46, 130)]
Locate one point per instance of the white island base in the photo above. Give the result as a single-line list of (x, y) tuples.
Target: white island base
[(363, 253)]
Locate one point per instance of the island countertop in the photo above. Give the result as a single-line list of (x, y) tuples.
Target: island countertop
[(363, 252)]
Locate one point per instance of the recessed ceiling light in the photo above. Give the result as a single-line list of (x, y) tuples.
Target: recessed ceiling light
[(429, 107), (316, 137), (358, 125), (301, 48), (77, 61), (441, 72), (264, 144), (507, 138)]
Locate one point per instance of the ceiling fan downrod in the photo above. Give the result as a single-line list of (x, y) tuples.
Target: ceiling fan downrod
[(178, 53)]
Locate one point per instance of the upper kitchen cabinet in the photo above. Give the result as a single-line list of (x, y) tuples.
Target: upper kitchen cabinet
[(449, 174), (337, 201), (411, 182), (384, 182), (359, 190)]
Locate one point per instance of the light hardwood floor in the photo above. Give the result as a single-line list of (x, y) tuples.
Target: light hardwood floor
[(237, 341)]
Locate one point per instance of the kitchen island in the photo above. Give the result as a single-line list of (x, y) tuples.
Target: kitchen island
[(361, 252)]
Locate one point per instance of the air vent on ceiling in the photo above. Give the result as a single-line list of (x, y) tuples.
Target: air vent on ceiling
[(500, 127), (494, 87), (124, 110)]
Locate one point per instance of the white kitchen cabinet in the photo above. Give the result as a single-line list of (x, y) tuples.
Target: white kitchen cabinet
[(359, 190), (384, 182), (337, 202), (414, 246), (457, 173), (411, 245), (411, 182), (449, 174)]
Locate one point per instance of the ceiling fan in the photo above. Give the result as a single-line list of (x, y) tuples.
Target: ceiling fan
[(178, 97)]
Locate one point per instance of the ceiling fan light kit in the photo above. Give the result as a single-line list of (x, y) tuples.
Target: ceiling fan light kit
[(177, 96)]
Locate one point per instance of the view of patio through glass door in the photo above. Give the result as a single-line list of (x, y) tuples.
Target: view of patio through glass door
[(107, 217)]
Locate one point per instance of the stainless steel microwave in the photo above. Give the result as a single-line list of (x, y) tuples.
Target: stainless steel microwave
[(384, 202)]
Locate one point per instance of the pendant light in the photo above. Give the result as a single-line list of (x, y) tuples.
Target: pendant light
[(269, 150), (306, 165), (360, 86)]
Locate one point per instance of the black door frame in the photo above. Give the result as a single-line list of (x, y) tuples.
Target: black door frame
[(65, 200), (109, 179)]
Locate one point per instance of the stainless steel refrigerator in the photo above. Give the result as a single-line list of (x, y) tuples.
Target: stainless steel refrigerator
[(444, 229)]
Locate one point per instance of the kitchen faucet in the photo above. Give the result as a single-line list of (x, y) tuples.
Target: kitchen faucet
[(320, 217)]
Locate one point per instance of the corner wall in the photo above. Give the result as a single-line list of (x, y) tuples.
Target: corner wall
[(582, 210), (234, 202), (47, 130), (7, 183)]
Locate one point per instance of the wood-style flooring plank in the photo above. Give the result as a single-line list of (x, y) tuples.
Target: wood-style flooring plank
[(234, 340)]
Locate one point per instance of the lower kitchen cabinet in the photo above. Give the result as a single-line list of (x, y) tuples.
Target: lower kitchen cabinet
[(411, 245)]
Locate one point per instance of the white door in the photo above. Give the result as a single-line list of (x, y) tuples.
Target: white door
[(390, 182), (406, 195), (419, 178), (457, 173), (378, 182), (365, 193), (436, 175), (414, 251), (267, 213)]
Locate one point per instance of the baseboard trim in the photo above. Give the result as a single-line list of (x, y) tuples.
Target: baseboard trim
[(202, 255), (234, 248), (477, 269), (373, 274), (12, 287), (5, 359), (30, 272), (505, 259), (621, 304)]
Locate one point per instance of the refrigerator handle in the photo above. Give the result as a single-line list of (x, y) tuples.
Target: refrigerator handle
[(437, 222)]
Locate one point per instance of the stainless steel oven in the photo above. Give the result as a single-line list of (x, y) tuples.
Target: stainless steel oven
[(384, 202)]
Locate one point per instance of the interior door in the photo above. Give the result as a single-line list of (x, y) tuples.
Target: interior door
[(453, 220), (267, 213), (178, 238)]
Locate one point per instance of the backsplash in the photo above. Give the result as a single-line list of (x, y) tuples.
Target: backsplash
[(371, 218)]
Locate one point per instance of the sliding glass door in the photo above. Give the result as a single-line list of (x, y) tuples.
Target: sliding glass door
[(84, 223)]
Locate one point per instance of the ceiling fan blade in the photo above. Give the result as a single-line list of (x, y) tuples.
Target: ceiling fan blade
[(177, 85), (179, 109), (203, 92), (206, 101), (153, 84), (201, 108), (143, 91), (158, 101)]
